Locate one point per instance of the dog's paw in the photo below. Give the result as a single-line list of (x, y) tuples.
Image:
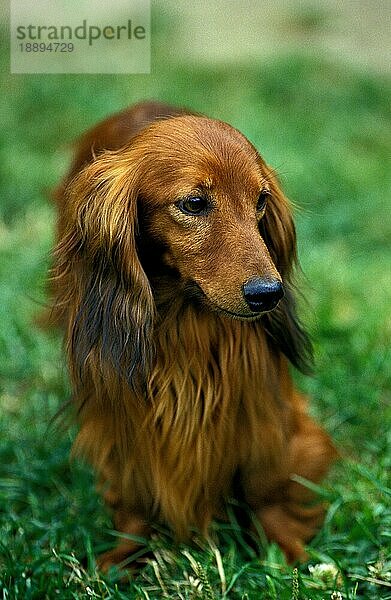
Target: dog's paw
[(291, 526), (119, 557)]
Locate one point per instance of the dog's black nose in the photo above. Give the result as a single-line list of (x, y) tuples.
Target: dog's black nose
[(262, 294)]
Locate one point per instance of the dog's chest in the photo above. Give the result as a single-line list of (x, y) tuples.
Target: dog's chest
[(215, 403), (211, 370)]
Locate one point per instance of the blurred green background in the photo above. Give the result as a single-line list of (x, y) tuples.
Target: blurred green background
[(309, 84)]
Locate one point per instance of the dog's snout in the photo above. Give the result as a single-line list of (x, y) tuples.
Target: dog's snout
[(262, 294)]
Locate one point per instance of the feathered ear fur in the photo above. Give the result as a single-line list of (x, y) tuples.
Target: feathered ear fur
[(282, 324), (99, 275)]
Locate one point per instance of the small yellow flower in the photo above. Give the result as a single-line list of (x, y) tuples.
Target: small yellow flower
[(325, 573)]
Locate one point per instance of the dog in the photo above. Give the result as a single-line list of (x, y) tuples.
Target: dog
[(173, 280)]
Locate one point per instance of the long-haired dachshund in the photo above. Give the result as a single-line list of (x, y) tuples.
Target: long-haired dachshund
[(173, 280)]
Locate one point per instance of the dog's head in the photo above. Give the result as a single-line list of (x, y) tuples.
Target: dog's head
[(189, 196), (207, 194)]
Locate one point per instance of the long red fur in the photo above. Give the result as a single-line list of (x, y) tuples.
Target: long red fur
[(180, 405)]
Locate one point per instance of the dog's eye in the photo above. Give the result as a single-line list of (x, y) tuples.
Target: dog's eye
[(262, 200), (195, 205)]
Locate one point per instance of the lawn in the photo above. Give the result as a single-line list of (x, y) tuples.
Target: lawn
[(326, 130)]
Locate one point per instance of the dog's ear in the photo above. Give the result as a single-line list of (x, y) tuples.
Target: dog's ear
[(282, 324), (277, 228), (100, 276)]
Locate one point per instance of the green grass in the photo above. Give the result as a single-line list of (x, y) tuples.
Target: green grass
[(325, 129)]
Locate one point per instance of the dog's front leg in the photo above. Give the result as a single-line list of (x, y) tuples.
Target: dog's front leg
[(130, 525)]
